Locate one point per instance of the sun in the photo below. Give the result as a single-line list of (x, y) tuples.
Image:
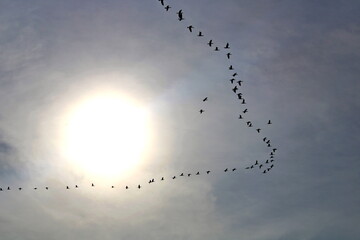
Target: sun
[(106, 135)]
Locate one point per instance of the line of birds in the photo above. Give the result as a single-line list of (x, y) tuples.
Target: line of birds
[(234, 81), (152, 180)]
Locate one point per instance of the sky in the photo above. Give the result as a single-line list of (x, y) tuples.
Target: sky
[(299, 62)]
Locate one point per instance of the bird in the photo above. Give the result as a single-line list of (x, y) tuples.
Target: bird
[(47, 188), (150, 181), (267, 161), (235, 74), (139, 186), (162, 179), (112, 186), (234, 169), (264, 171), (162, 2), (35, 188), (174, 177), (247, 168), (180, 17), (190, 28), (201, 111), (227, 46), (232, 80), (231, 67), (20, 188), (167, 8), (271, 156), (245, 111), (269, 122), (274, 149), (182, 174), (268, 141), (76, 186), (207, 172), (235, 89), (272, 165), (264, 139), (216, 49), (239, 95), (240, 117), (248, 123), (256, 162), (189, 174), (210, 43), (226, 170), (258, 130), (260, 166), (239, 82), (8, 188), (243, 101), (252, 166), (205, 99), (272, 160), (269, 145), (198, 173), (67, 187), (200, 34), (92, 185), (228, 55), (268, 169), (271, 153), (126, 187), (1, 189)]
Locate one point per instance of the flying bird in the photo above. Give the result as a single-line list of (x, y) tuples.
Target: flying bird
[(35, 188), (245, 111), (256, 163), (243, 101), (269, 122), (162, 179), (112, 186), (235, 74), (232, 80), (264, 171), (200, 34), (239, 96), (76, 186), (207, 172), (190, 28), (8, 188), (239, 82), (227, 46), (174, 177), (210, 43), (248, 123), (258, 130), (252, 166), (267, 161), (274, 149), (92, 185), (162, 2), (198, 173), (20, 188), (234, 169), (47, 188), (240, 117), (226, 170), (126, 187), (260, 166), (139, 186), (231, 67), (67, 187), (228, 55), (247, 168), (205, 99), (189, 174), (235, 89), (182, 174), (201, 111), (264, 139), (216, 49)]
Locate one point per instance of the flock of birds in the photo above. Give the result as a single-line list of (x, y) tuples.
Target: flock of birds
[(264, 166)]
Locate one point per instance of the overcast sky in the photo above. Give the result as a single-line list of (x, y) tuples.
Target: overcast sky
[(300, 63)]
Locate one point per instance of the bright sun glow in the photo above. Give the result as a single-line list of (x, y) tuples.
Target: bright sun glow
[(106, 135)]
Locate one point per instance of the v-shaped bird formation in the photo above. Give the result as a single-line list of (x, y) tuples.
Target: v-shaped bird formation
[(264, 166)]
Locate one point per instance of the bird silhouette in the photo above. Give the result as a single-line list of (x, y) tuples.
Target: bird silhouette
[(35, 188), (272, 160), (274, 149), (189, 174), (231, 67), (234, 169), (1, 189), (264, 139), (112, 187), (210, 43), (216, 49), (162, 179), (92, 185), (20, 188), (252, 166), (200, 34), (248, 123), (149, 181), (190, 28), (198, 173), (240, 117), (239, 96), (207, 172), (67, 187), (268, 141), (271, 153), (235, 74), (271, 156), (267, 161), (226, 170), (232, 80), (258, 130), (228, 55), (152, 180), (247, 168), (182, 174), (126, 187), (260, 166), (8, 189), (76, 186), (245, 111), (205, 99), (167, 8), (139, 186), (239, 82), (269, 122), (47, 188), (256, 162), (264, 171), (227, 46), (174, 177), (201, 111), (243, 101), (272, 165), (162, 2), (235, 89)]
